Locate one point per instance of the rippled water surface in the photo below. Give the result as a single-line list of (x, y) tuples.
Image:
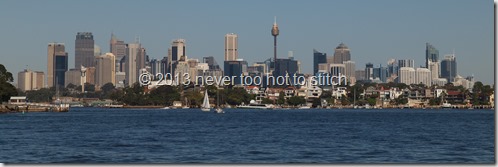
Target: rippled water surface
[(96, 135)]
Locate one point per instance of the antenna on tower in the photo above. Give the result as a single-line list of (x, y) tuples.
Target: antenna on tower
[(275, 20)]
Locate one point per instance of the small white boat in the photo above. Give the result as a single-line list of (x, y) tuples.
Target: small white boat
[(205, 104), (446, 105), (165, 108), (304, 107), (219, 111), (254, 105)]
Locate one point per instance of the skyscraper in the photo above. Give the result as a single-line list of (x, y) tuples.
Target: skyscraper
[(449, 67), (369, 71), (423, 76), (318, 58), (176, 51), (133, 51), (231, 45), (61, 66), (235, 68), (407, 75), (350, 71), (434, 68), (431, 54), (105, 70), (53, 50), (84, 50), (118, 48), (341, 54), (406, 63)]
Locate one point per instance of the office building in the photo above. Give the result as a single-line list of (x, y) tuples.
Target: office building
[(431, 54), (53, 50), (341, 54), (72, 76), (318, 58), (135, 59), (406, 63), (235, 68), (105, 70), (231, 46), (84, 50), (449, 67), (118, 48), (369, 71)]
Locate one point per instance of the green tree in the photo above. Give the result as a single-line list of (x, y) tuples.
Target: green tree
[(296, 100), (266, 101), (6, 89), (281, 98)]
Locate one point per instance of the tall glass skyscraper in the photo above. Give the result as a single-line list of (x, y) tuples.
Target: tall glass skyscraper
[(449, 67), (431, 54)]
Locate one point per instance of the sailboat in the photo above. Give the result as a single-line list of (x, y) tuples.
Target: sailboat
[(218, 108), (205, 104)]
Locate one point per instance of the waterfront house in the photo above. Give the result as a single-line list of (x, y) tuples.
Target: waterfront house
[(17, 100)]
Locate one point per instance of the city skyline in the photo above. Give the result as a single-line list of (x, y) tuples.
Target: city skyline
[(468, 32)]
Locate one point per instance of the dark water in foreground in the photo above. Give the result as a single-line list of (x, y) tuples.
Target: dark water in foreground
[(93, 135)]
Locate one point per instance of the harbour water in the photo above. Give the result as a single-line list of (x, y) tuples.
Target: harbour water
[(98, 135)]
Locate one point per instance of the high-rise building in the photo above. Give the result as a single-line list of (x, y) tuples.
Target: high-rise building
[(360, 75), (105, 70), (318, 58), (118, 48), (231, 45), (369, 71), (90, 75), (72, 76), (337, 69), (53, 50), (406, 63), (431, 54), (235, 68), (434, 68), (286, 67), (350, 69), (424, 76), (61, 66), (176, 51), (380, 73), (132, 55), (341, 54), (449, 67), (84, 50), (30, 80), (407, 75)]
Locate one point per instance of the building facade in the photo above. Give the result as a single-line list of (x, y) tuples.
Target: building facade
[(231, 45), (53, 50), (30, 80), (84, 50), (341, 54), (105, 70)]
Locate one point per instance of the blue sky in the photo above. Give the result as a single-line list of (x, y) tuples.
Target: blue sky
[(375, 31)]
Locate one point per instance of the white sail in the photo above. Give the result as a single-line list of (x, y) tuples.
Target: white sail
[(205, 103)]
